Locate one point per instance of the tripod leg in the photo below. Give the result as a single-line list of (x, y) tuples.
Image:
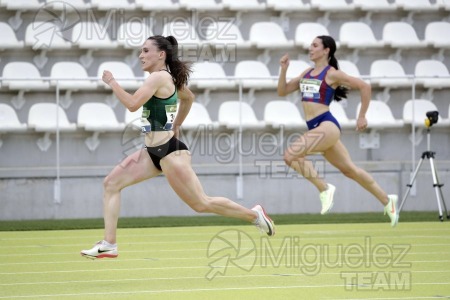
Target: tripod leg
[(437, 186), (410, 185)]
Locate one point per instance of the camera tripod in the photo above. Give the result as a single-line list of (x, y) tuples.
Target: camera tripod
[(437, 186)]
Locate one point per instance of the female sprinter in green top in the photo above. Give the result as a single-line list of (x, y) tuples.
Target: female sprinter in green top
[(163, 153)]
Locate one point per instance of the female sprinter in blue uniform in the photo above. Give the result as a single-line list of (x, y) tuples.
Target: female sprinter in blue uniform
[(318, 87), (163, 153)]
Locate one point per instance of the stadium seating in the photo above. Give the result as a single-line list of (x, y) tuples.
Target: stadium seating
[(269, 35), (417, 114), (339, 113), (157, 6), (22, 77), (243, 5), (379, 117), (9, 122), (122, 72), (8, 37), (401, 36), (97, 117), (133, 118), (375, 5), (388, 74), (198, 117), (434, 37), (358, 35), (224, 34), (254, 75), (186, 34), (306, 32), (332, 5), (213, 73), (48, 118), (296, 67), (233, 114), (288, 5), (112, 4), (201, 5), (283, 114)]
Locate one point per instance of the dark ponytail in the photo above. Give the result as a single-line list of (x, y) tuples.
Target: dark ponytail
[(328, 42), (180, 70)]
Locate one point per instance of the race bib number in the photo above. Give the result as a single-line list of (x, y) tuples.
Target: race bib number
[(310, 88), (145, 124), (171, 112)]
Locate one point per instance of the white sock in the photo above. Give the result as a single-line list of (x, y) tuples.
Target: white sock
[(109, 245)]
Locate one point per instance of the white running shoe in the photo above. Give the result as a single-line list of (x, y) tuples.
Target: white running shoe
[(391, 209), (100, 250), (326, 197), (264, 223)]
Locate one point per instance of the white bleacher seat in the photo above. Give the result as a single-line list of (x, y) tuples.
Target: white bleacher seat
[(185, 33), (401, 35), (349, 68), (417, 5), (201, 5), (243, 5), (8, 38), (28, 75), (229, 116), (22, 77), (72, 6), (42, 117), (379, 116), (338, 111), (296, 68), (9, 122), (157, 6), (269, 35), (47, 118), (283, 114), (23, 4), (388, 73), (225, 34), (210, 75), (332, 5), (113, 4), (132, 35), (358, 35), (45, 35), (433, 72), (91, 35), (97, 117), (306, 32), (73, 77), (254, 74), (288, 5), (133, 118), (421, 107), (198, 117), (375, 5), (122, 72), (435, 35)]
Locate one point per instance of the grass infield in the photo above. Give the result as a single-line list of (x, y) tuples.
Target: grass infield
[(202, 220)]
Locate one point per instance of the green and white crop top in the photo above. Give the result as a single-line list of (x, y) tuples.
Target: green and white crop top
[(158, 114)]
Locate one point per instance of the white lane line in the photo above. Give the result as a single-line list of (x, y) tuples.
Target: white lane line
[(185, 267), (187, 278), (201, 290)]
